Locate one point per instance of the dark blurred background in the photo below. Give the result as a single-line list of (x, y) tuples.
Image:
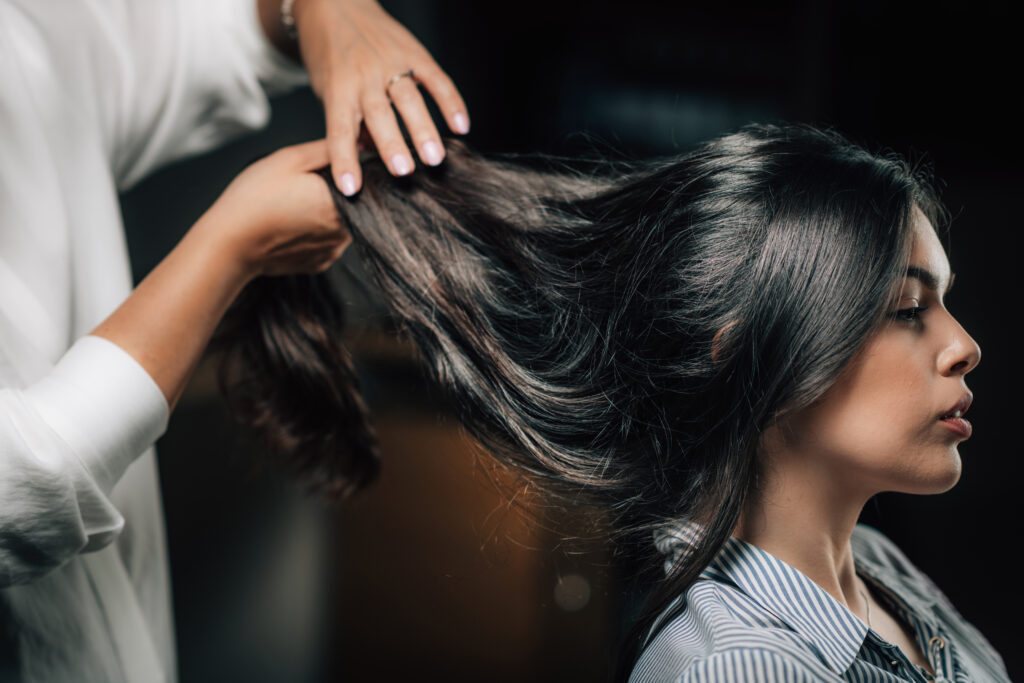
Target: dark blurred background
[(432, 573)]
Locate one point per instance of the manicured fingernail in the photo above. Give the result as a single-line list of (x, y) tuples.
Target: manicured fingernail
[(432, 153), (348, 184), (401, 164), (460, 123)]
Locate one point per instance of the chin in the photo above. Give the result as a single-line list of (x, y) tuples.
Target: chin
[(940, 479)]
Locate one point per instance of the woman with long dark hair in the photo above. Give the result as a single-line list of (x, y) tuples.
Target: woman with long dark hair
[(732, 350)]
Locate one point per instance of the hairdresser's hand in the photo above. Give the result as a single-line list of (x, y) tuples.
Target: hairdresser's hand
[(353, 50), (277, 216)]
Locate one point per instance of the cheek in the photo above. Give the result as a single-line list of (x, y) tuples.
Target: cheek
[(875, 425), (878, 400), (887, 396)]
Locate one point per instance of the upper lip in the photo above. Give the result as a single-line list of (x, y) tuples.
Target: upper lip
[(962, 405)]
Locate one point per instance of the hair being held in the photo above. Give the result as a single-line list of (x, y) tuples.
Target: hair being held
[(622, 337)]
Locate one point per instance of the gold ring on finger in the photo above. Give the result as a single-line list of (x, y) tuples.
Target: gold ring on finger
[(394, 79)]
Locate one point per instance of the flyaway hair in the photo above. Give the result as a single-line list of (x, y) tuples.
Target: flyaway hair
[(623, 337)]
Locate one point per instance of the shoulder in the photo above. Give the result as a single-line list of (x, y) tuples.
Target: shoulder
[(723, 635)]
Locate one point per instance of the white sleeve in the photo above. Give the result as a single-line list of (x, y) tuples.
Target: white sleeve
[(64, 442), (194, 74)]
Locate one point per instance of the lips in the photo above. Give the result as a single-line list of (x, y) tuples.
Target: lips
[(954, 417), (959, 408)]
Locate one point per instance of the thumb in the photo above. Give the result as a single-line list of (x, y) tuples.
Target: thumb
[(308, 156)]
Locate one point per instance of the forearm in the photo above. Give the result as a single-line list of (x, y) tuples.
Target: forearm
[(166, 323)]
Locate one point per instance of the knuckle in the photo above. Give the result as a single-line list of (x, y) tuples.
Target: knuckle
[(424, 134), (344, 134), (385, 134), (387, 143)]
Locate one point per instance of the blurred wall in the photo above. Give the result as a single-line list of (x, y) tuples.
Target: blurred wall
[(414, 576)]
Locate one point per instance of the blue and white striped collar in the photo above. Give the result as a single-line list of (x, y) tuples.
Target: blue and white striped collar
[(831, 629)]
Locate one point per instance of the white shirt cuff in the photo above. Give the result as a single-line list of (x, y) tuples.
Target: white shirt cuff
[(103, 404)]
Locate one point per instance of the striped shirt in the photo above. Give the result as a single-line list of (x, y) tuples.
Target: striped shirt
[(753, 618)]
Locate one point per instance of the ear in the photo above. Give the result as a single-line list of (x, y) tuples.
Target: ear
[(719, 343)]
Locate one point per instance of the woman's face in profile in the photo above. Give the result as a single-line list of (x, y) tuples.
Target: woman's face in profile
[(890, 422)]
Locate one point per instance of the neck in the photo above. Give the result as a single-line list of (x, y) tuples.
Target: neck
[(804, 516)]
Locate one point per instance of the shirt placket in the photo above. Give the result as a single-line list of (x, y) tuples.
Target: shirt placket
[(933, 642), (897, 662)]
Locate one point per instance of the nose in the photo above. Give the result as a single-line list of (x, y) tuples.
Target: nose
[(961, 355)]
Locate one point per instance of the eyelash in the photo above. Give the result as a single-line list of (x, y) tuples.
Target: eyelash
[(910, 315)]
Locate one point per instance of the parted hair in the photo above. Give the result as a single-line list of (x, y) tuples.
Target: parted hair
[(622, 336)]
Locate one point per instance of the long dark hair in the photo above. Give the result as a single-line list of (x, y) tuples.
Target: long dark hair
[(623, 336)]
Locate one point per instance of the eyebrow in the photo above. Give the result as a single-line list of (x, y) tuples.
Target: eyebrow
[(928, 278)]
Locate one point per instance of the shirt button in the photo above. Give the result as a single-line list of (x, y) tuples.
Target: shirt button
[(894, 662)]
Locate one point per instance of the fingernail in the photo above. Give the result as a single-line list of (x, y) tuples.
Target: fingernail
[(348, 184), (401, 164), (461, 123), (432, 153)]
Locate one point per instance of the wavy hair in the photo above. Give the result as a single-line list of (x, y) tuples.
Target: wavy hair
[(623, 337)]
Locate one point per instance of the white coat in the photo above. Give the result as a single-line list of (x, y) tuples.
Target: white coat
[(95, 94)]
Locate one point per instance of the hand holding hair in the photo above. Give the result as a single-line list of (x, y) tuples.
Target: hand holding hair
[(276, 217), (360, 63)]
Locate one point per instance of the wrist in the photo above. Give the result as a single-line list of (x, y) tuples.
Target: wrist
[(220, 249)]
